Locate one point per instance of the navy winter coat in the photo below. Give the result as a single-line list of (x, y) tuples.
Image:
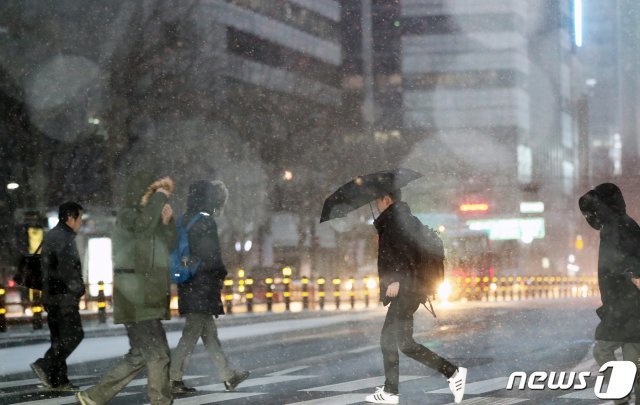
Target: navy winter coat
[(201, 294)]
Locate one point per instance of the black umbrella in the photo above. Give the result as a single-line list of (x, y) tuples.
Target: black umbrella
[(364, 189)]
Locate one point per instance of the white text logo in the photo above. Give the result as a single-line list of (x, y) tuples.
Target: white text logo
[(623, 374)]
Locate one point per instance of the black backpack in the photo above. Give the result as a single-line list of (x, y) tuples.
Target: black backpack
[(429, 265)]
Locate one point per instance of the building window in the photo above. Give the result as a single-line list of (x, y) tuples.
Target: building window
[(465, 80), (269, 53), (450, 24)]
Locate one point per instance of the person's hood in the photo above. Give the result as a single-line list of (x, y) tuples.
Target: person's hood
[(611, 196), (589, 204), (205, 196), (136, 187), (394, 212)]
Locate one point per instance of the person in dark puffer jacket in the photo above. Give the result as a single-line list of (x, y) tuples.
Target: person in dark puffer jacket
[(199, 298), (604, 209)]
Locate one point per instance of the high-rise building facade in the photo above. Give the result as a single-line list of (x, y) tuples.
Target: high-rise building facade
[(489, 87)]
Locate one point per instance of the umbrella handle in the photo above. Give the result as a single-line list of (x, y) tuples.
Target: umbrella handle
[(372, 214)]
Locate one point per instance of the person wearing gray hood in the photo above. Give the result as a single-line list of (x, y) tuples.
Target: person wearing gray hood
[(604, 209), (199, 297)]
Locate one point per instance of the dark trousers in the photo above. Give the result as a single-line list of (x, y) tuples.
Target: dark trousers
[(65, 326), (397, 334), (149, 348)]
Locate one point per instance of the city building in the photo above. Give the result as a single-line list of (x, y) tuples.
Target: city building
[(480, 97), (245, 91)]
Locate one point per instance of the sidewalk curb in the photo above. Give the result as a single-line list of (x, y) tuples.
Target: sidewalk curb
[(25, 337)]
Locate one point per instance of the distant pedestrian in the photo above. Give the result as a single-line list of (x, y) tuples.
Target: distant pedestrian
[(604, 209), (143, 235), (61, 291), (199, 298), (397, 255)]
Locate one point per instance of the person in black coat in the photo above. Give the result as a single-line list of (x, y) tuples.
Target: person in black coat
[(199, 298), (62, 287), (397, 258), (604, 209)]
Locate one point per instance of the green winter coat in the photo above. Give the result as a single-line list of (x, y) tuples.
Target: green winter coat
[(141, 245)]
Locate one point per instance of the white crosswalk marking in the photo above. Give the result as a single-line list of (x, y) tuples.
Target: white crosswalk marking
[(217, 397), (143, 381), (254, 382), (71, 399), (344, 399), (288, 370), (582, 394), (491, 401), (363, 349), (358, 385), (15, 383), (67, 399), (33, 381), (479, 387)]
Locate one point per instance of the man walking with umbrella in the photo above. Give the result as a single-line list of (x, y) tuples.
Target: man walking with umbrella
[(398, 256)]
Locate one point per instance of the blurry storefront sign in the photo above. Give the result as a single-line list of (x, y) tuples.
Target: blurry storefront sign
[(100, 265), (531, 207), (474, 207), (525, 229)]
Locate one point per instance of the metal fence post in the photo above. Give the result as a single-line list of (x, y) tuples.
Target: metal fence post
[(321, 294), (3, 309), (102, 305)]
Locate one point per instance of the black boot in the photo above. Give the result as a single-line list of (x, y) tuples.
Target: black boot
[(233, 382), (178, 387)]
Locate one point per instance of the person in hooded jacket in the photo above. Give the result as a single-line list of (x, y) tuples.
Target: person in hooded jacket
[(397, 257), (199, 297), (604, 209), (142, 238)]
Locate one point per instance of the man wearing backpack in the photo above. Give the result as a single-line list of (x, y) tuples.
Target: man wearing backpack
[(398, 256), (143, 235), (199, 297)]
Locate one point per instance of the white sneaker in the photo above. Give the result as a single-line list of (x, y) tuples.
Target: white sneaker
[(457, 383), (382, 397)]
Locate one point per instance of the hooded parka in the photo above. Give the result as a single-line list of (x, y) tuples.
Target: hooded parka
[(397, 250), (201, 294), (618, 261), (141, 246)]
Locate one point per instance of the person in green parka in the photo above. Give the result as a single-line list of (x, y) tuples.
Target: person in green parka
[(144, 234)]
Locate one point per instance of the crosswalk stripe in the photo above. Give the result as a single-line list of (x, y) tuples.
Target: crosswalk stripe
[(217, 397), (357, 385), (491, 401), (254, 382), (344, 399), (288, 370), (71, 399), (32, 381), (143, 381), (479, 387), (582, 394), (363, 349)]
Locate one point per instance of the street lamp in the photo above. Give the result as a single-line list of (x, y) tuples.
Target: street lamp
[(12, 186), (287, 175)]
